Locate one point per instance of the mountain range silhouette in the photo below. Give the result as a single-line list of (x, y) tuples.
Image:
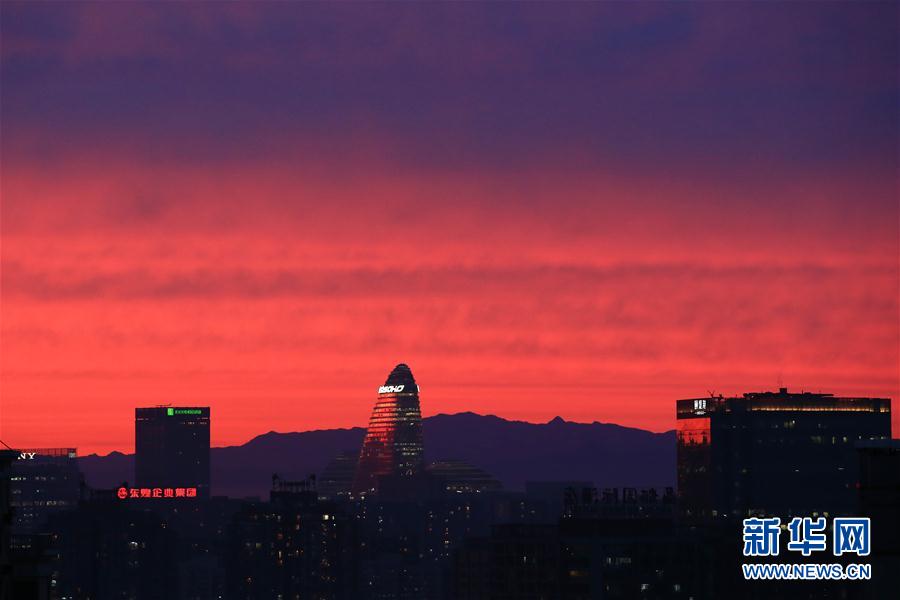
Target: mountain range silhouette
[(512, 451)]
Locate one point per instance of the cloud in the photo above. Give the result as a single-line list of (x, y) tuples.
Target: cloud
[(633, 315), (460, 85)]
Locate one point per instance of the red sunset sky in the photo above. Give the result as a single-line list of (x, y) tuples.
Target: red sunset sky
[(584, 211)]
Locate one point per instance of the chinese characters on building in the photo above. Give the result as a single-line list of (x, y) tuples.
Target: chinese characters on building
[(807, 535), (138, 493)]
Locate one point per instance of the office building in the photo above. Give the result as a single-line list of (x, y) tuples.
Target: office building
[(393, 442), (43, 481), (774, 453), (171, 446)]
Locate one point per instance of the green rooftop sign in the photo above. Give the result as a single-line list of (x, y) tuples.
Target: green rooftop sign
[(183, 411)]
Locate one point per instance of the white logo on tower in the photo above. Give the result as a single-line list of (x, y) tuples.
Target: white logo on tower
[(390, 389)]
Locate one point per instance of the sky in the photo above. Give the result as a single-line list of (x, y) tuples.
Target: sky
[(583, 210)]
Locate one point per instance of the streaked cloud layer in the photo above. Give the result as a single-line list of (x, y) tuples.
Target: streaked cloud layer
[(578, 210)]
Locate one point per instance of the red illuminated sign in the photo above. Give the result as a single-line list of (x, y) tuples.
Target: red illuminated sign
[(140, 493)]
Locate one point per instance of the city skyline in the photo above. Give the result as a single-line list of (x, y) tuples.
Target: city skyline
[(586, 211), (386, 413)]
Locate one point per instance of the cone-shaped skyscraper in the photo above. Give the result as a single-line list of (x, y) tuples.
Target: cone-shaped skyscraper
[(393, 442)]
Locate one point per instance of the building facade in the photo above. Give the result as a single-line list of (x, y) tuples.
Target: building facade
[(294, 546), (108, 548), (43, 481), (172, 448), (393, 442), (879, 500), (774, 453), (6, 516)]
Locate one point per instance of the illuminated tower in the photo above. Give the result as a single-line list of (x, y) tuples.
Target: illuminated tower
[(393, 443)]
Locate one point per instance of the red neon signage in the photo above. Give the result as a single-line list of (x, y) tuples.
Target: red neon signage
[(125, 493)]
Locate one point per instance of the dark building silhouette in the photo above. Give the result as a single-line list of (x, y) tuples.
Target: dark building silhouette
[(107, 548), (519, 561), (336, 479), (774, 453), (171, 448), (393, 442), (630, 557), (395, 559), (43, 481), (39, 483), (607, 544), (114, 547), (294, 546), (408, 536), (628, 543), (6, 518), (201, 527), (553, 494), (458, 476), (879, 499)]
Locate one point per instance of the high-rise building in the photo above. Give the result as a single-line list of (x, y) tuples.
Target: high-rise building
[(43, 481), (171, 447), (774, 453), (393, 442)]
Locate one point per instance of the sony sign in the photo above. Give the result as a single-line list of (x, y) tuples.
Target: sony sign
[(26, 455), (390, 389)]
